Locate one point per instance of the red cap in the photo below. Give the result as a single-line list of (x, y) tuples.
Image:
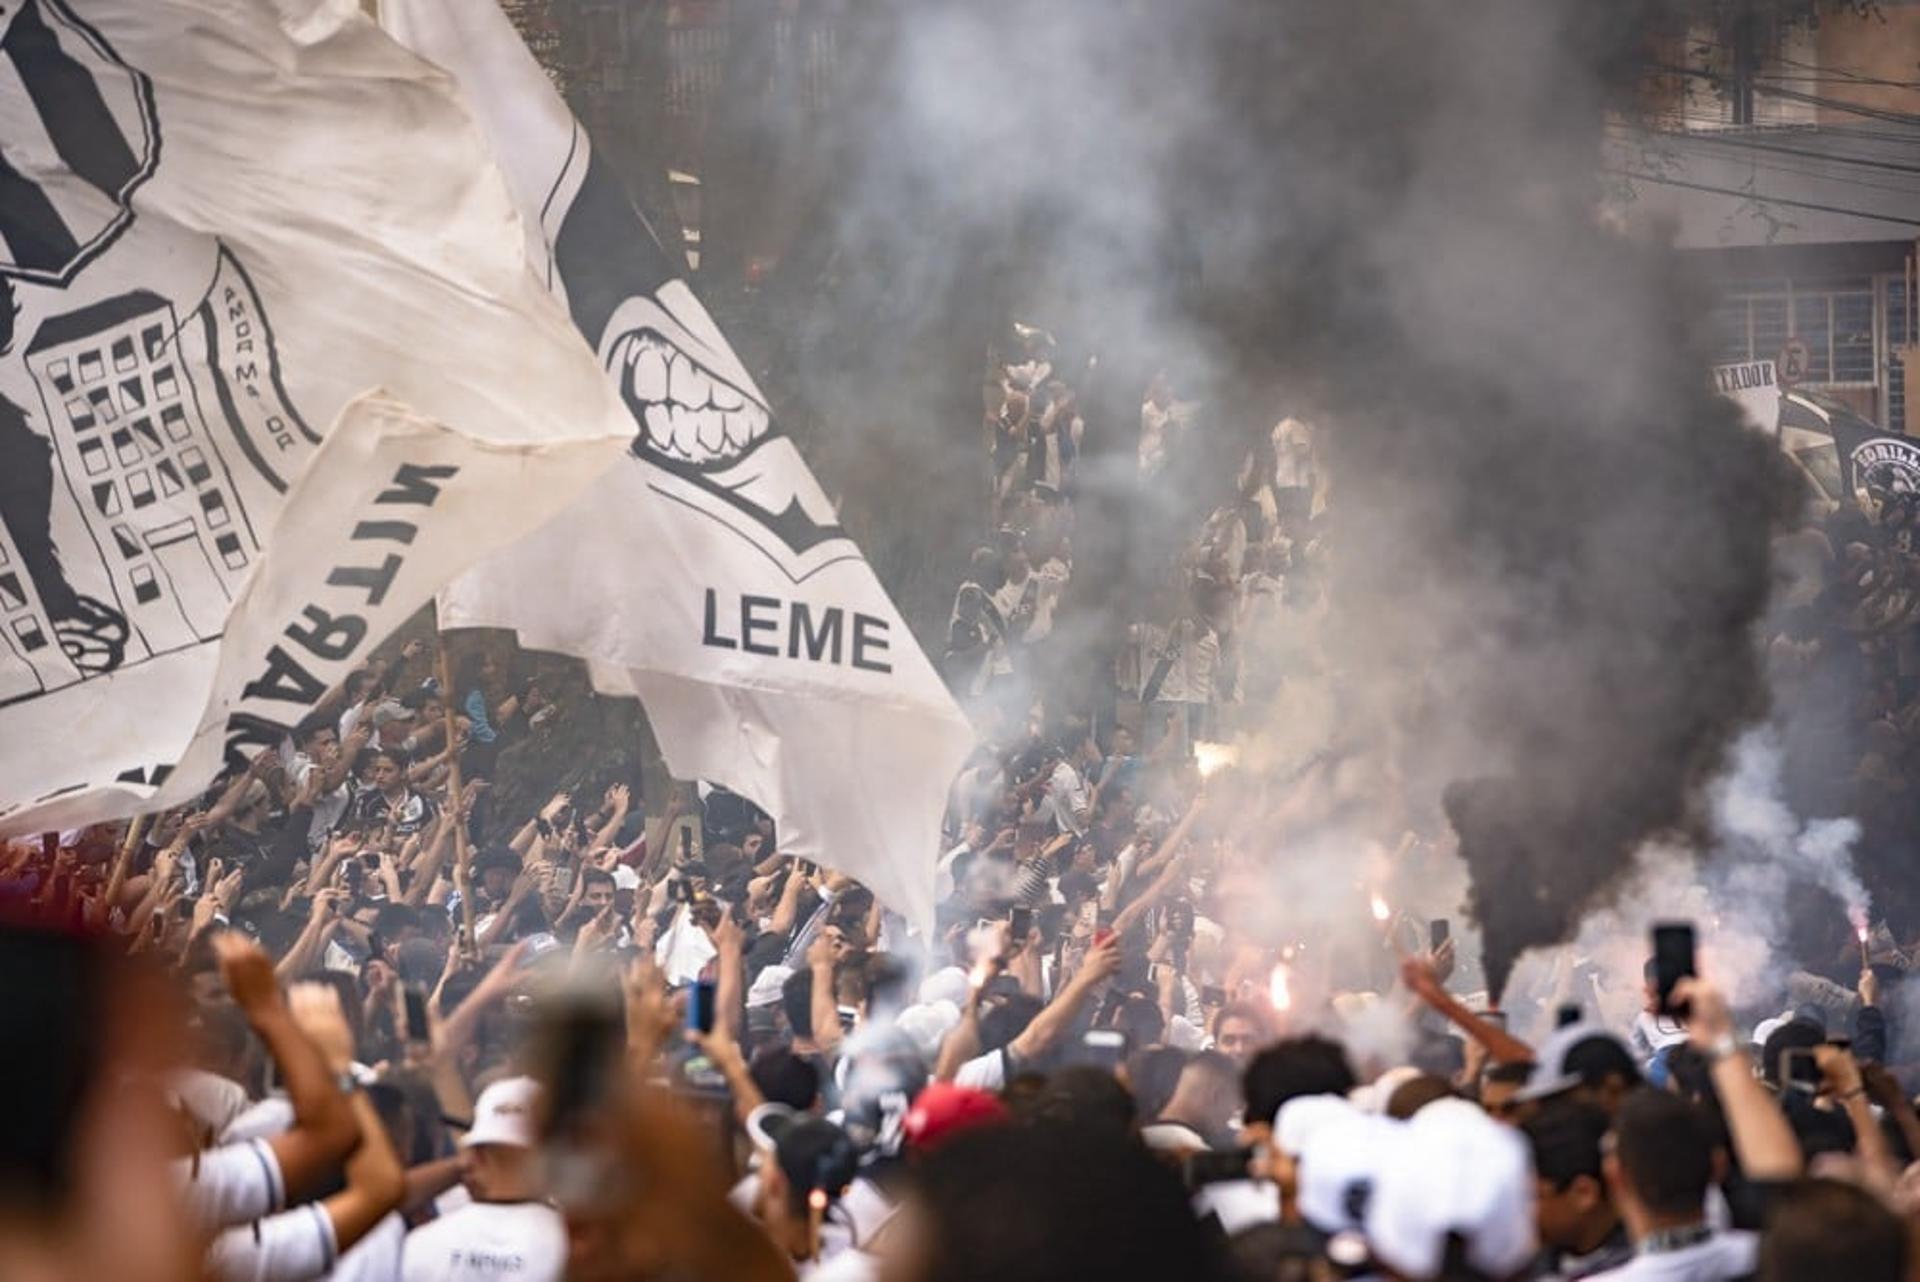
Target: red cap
[(943, 1110)]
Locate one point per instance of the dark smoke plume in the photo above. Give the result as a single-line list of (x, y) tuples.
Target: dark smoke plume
[(1550, 539)]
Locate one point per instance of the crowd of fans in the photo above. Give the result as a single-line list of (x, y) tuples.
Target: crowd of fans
[(1227, 619), (1844, 659), (341, 1020)]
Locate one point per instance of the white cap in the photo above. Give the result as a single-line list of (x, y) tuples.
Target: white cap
[(1294, 1125), (1454, 1170), (928, 1025), (765, 989), (948, 984), (1376, 1095), (625, 878), (504, 1114), (1339, 1165)]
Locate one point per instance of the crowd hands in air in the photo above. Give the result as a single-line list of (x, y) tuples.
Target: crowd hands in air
[(337, 1022)]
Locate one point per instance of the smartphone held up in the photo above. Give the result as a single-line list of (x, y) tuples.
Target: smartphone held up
[(1673, 961)]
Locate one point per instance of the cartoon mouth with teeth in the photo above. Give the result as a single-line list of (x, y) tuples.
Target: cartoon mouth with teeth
[(706, 427)]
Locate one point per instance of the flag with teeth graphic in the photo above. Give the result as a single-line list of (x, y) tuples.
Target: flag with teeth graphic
[(711, 577), (687, 416)]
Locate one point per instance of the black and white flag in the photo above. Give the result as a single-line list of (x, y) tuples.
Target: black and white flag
[(272, 369), (709, 574), (1875, 466)]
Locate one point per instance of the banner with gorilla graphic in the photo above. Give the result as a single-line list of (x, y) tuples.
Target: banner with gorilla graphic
[(708, 574), (269, 352), (1876, 467)]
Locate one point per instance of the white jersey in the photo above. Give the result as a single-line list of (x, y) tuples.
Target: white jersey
[(489, 1242), (294, 1246), (375, 1257), (231, 1184), (1722, 1257)]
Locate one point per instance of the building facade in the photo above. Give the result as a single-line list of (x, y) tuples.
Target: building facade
[(1779, 145)]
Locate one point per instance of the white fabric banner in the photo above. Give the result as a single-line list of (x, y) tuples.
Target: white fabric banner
[(224, 226), (709, 575), (1754, 387)]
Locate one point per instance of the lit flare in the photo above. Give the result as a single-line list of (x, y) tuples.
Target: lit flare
[(1280, 987), (1211, 758)]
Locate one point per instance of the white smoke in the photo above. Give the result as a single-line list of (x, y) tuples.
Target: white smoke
[(1750, 813), (1741, 894)]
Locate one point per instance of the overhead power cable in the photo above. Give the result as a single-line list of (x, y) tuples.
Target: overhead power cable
[(1761, 198)]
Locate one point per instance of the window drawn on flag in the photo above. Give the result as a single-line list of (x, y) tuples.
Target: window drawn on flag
[(141, 403)]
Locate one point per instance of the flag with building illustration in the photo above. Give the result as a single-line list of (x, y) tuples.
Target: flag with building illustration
[(269, 353), (709, 573)]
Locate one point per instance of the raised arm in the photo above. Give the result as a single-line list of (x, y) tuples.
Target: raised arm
[(1502, 1047), (1762, 1139), (338, 848), (788, 909), (1841, 1073), (321, 923), (1102, 963), (222, 810), (323, 1129), (375, 1180), (730, 979), (962, 1042), (821, 955), (1131, 914), (523, 885), (350, 747), (725, 1054), (459, 1025), (619, 802)]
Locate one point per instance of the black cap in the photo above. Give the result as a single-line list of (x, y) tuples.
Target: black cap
[(813, 1153)]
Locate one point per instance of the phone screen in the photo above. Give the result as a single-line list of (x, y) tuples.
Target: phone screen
[(578, 1047), (1021, 924), (1437, 932), (1799, 1070), (700, 1006), (417, 1028), (1673, 961), (1104, 1048)]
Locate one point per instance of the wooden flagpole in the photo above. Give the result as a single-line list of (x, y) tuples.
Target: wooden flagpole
[(462, 852), (135, 832)]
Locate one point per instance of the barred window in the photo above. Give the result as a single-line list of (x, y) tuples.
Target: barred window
[(1835, 319), (1897, 336)]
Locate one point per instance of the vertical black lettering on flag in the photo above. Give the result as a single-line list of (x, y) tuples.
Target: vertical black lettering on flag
[(81, 137)]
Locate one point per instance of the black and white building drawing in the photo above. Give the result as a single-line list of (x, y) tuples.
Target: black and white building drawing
[(140, 392)]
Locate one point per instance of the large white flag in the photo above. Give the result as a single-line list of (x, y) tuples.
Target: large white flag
[(272, 368), (710, 574)]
